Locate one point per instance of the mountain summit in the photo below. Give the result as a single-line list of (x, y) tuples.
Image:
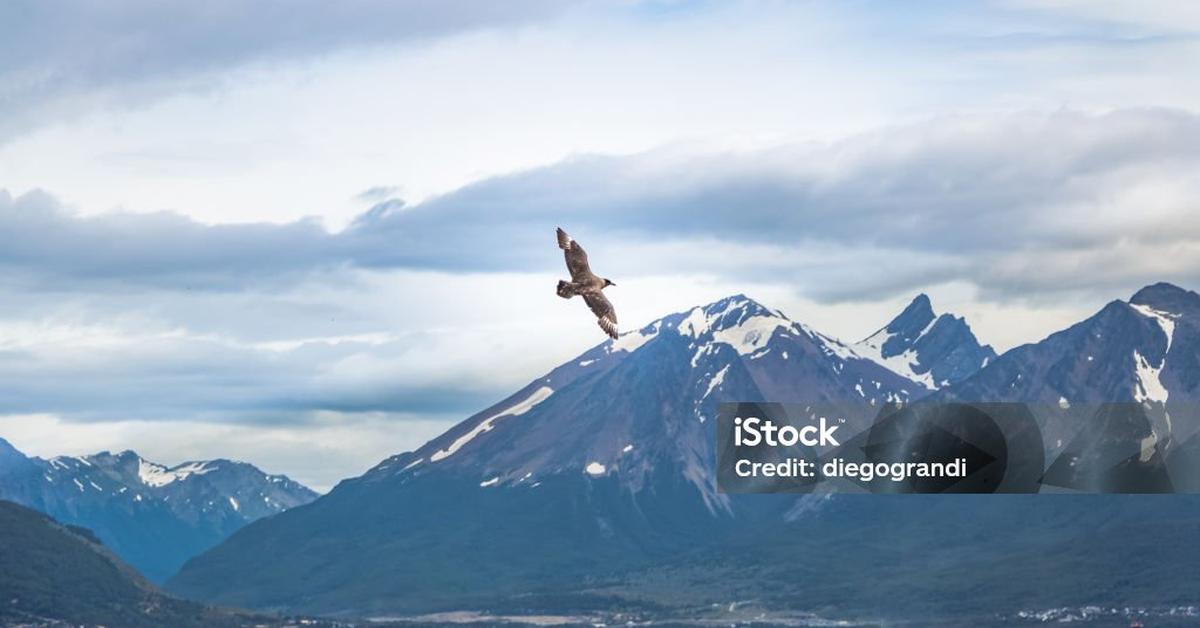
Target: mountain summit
[(920, 345), (1142, 350), (1167, 298)]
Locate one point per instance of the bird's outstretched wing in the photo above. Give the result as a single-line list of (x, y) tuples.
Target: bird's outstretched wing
[(606, 316), (577, 261)]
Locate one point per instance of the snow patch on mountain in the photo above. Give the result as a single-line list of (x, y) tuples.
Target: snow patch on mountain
[(68, 462), (701, 351), (538, 396), (751, 335), (630, 341), (1148, 386), (831, 346), (695, 325), (716, 380), (1165, 320), (903, 364), (157, 475)]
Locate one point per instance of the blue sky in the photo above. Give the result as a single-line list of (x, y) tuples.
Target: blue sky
[(311, 235)]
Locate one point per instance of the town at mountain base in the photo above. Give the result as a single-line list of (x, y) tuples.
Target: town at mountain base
[(593, 485)]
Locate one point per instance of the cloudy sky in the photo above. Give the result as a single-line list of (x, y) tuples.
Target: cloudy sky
[(311, 234)]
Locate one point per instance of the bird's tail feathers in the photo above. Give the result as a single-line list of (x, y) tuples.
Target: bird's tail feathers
[(566, 289)]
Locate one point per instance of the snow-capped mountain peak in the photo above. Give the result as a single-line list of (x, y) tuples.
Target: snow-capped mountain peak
[(935, 350), (728, 313), (1173, 312), (738, 321), (658, 386), (1167, 298)]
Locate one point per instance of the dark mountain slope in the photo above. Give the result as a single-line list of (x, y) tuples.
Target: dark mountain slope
[(51, 574)]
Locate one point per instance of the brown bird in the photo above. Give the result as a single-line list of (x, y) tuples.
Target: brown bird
[(586, 283)]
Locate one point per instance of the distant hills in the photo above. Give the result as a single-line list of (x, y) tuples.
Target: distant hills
[(154, 517)]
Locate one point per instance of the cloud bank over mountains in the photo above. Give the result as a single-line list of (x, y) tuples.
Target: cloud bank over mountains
[(1012, 204)]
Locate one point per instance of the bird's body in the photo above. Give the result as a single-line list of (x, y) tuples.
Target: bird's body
[(587, 284)]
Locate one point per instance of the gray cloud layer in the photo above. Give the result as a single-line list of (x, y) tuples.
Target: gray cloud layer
[(56, 54), (976, 190), (1016, 205), (190, 378), (51, 247)]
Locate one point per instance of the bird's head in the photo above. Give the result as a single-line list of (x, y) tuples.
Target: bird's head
[(608, 282)]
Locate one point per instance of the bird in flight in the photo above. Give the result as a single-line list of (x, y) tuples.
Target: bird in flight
[(586, 283)]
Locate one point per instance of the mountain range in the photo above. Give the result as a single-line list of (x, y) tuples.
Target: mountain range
[(592, 487), (155, 517), (604, 464), (1144, 350), (1143, 353)]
